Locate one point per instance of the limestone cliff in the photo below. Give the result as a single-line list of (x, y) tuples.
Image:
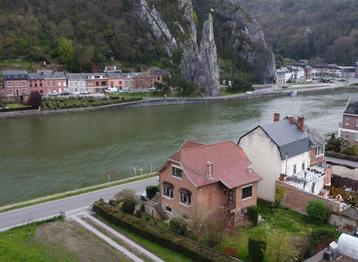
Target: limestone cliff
[(192, 30)]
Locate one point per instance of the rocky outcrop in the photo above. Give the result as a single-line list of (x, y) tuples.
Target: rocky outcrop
[(199, 61), (153, 20), (207, 75), (247, 37)]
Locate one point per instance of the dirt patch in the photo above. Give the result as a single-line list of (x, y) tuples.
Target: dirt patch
[(72, 238)]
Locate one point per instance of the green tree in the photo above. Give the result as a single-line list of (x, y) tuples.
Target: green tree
[(318, 212), (279, 248), (65, 51)]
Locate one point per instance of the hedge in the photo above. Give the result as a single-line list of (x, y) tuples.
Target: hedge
[(253, 214), (180, 244), (151, 191), (257, 249)]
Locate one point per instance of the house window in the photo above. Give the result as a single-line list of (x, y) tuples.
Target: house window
[(185, 197), (9, 92), (294, 169), (346, 121), (169, 209), (230, 197), (9, 84), (246, 192), (177, 172), (16, 83), (303, 166), (320, 150), (23, 83), (168, 190)]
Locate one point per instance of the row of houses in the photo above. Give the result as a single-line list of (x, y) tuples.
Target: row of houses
[(221, 180), (47, 82), (348, 128), (302, 71)]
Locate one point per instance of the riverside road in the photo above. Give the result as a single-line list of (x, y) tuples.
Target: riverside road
[(52, 209)]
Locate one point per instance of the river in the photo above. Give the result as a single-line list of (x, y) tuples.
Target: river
[(50, 154)]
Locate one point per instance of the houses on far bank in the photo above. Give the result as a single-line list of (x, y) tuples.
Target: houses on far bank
[(19, 83), (303, 71)]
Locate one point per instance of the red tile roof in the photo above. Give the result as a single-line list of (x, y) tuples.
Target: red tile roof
[(229, 162)]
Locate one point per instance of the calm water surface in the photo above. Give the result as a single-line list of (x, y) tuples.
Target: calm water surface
[(45, 155)]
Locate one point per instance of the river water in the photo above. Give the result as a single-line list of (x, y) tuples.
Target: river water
[(51, 154)]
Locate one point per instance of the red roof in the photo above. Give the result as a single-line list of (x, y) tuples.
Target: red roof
[(230, 164)]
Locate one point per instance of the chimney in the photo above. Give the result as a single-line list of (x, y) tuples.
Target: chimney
[(291, 119), (209, 170), (276, 117), (301, 123)]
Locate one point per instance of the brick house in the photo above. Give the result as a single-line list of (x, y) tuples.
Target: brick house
[(208, 181), (348, 128), (21, 83), (288, 151)]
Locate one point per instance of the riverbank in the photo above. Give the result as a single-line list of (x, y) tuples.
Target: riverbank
[(179, 101)]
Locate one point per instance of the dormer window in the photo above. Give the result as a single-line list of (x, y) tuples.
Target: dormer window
[(177, 172)]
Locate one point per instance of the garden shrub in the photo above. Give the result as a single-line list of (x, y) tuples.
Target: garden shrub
[(128, 205), (230, 251), (168, 239), (151, 191), (253, 214), (257, 249), (279, 194), (318, 212), (178, 226), (320, 238)]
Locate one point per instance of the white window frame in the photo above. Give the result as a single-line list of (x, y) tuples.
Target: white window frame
[(242, 189), (177, 167), (187, 203), (317, 151), (168, 189)]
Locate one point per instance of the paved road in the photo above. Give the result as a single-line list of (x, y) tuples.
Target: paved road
[(342, 162), (47, 210)]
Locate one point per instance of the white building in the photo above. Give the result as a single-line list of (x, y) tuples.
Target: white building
[(286, 150), (283, 75), (298, 73), (77, 83)]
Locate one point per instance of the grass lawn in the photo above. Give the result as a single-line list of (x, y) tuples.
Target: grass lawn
[(281, 221), (160, 251), (16, 105), (18, 245)]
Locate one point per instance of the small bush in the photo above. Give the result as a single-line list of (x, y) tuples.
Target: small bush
[(112, 202), (318, 212), (230, 251), (253, 214), (257, 249), (124, 194), (320, 238), (128, 206), (151, 191), (178, 226)]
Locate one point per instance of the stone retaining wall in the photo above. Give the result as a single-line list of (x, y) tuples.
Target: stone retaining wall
[(166, 102), (297, 199)]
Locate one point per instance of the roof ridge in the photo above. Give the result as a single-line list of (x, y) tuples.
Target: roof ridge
[(208, 145)]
